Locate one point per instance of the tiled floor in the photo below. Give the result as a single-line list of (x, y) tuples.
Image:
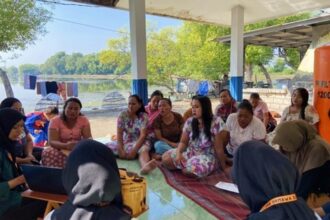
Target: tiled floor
[(165, 202)]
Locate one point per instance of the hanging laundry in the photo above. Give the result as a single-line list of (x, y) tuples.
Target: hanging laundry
[(61, 91), (41, 88), (51, 87), (30, 81), (203, 88), (72, 89)]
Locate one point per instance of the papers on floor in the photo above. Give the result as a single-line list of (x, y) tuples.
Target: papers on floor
[(227, 186)]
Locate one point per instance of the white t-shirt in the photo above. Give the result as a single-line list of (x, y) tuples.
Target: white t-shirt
[(311, 115), (254, 131)]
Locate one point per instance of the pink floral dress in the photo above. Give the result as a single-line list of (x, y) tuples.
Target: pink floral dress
[(200, 158), (132, 130)]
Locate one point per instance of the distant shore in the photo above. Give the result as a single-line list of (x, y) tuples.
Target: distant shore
[(89, 76)]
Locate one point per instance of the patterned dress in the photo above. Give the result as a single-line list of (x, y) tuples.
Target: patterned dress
[(224, 110), (199, 156), (131, 132)]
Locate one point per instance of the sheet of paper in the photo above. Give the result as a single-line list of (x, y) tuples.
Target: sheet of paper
[(227, 186)]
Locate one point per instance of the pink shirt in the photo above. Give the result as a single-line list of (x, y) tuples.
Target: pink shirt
[(152, 115), (69, 134), (260, 110)]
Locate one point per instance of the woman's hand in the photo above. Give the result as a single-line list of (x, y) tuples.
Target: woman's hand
[(16, 181), (70, 145), (179, 157), (29, 158)]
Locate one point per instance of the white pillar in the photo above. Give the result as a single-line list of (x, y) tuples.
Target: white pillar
[(138, 48), (237, 52)]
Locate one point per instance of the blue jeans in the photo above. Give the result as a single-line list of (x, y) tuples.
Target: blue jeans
[(161, 147)]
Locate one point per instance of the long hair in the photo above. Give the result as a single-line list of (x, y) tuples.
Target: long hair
[(139, 100), (156, 93), (304, 95), (207, 117), (76, 100)]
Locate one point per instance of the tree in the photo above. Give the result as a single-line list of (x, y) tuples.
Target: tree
[(162, 58), (260, 56), (55, 64), (21, 22), (200, 56), (117, 54), (12, 72), (28, 69)]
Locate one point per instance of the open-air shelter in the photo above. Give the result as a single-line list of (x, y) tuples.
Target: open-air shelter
[(234, 13)]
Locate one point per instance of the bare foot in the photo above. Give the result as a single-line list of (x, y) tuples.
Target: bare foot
[(148, 167)]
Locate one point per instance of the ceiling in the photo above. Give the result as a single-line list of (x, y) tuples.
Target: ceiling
[(292, 35), (219, 11)]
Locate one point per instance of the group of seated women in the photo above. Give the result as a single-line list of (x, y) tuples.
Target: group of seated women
[(197, 146)]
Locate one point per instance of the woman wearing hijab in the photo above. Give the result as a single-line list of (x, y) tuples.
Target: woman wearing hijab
[(91, 179), (12, 206), (268, 182), (298, 140), (24, 150)]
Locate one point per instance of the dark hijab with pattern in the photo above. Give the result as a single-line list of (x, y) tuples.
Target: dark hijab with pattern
[(91, 178), (261, 174)]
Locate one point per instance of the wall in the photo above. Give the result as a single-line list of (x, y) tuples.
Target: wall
[(276, 99)]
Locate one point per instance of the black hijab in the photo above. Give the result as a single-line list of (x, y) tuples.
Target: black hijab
[(261, 173), (91, 177), (8, 118)]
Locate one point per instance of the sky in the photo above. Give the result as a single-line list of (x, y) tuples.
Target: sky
[(64, 34)]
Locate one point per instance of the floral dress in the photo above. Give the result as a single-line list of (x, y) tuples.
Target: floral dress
[(131, 132), (199, 156)]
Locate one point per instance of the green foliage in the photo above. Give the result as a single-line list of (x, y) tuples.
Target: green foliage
[(28, 69), (76, 63), (258, 54), (189, 51), (12, 73), (117, 55), (277, 21), (263, 55), (279, 65), (200, 56), (292, 57), (55, 64), (20, 21), (162, 57)]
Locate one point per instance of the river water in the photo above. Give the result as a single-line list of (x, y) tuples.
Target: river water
[(90, 92)]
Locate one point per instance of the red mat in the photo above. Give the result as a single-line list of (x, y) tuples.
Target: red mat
[(222, 204)]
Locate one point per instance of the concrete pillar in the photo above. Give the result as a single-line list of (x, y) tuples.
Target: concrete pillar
[(138, 48), (237, 52)]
